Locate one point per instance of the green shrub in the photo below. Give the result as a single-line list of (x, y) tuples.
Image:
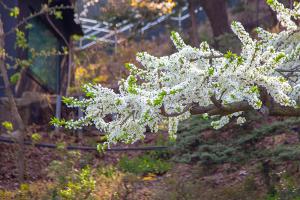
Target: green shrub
[(70, 183), (165, 154), (107, 171), (143, 165), (32, 191), (193, 146), (79, 187), (284, 152)]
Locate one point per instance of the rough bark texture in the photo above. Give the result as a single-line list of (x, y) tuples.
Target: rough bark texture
[(272, 109), (13, 108)]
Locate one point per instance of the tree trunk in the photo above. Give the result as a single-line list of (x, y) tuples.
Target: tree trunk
[(193, 31), (216, 11), (13, 108)]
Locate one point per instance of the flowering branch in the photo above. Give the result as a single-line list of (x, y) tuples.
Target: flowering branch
[(201, 80)]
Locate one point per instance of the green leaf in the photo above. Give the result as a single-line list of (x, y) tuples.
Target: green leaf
[(132, 85), (36, 137), (21, 41), (205, 116), (67, 100), (60, 146), (177, 40), (279, 57), (58, 14), (101, 147), (158, 101), (8, 126), (29, 26), (14, 78), (254, 89), (258, 103), (118, 102), (76, 37), (14, 12), (240, 60), (282, 79), (57, 122), (211, 71), (128, 66), (174, 91), (86, 91)]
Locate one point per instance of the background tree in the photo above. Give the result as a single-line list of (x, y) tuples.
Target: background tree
[(192, 5), (20, 63), (12, 105), (216, 11)]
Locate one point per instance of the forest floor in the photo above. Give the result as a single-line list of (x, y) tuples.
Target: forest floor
[(239, 181)]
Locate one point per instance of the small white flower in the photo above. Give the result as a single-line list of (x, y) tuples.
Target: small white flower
[(241, 120)]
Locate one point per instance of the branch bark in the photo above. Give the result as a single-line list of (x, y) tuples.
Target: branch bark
[(274, 109), (164, 112), (34, 15)]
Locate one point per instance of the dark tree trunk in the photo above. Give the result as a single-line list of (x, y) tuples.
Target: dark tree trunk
[(216, 11), (193, 31)]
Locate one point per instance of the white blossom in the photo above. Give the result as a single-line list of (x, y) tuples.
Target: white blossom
[(85, 9), (192, 76), (241, 120)]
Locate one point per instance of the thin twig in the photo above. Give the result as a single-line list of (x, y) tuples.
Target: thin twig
[(44, 10), (56, 29), (175, 114), (4, 5)]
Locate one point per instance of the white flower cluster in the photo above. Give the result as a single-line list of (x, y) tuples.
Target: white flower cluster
[(85, 10), (166, 86), (284, 14)]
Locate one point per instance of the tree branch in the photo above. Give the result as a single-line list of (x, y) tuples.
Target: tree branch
[(275, 109), (225, 110), (13, 108), (217, 102), (56, 29), (270, 107), (4, 5), (164, 112), (44, 10)]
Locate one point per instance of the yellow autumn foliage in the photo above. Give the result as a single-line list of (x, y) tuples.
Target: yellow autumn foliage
[(164, 7)]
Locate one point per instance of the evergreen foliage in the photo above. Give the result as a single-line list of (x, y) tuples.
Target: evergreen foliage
[(192, 146)]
